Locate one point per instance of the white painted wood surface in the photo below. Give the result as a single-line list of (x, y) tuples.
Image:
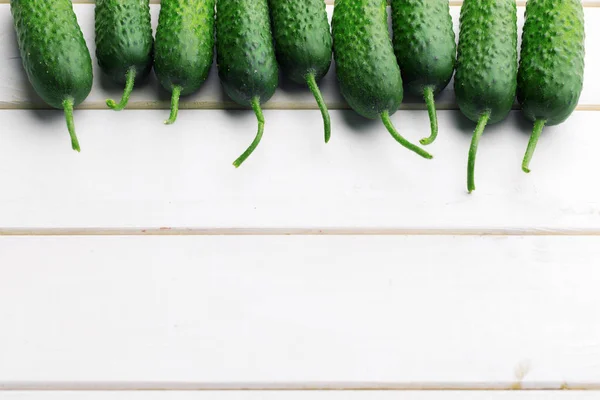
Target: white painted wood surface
[(136, 174), (16, 93), (429, 305), (295, 311), (346, 395)]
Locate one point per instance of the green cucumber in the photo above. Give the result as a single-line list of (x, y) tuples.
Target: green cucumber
[(550, 78), (425, 46), (124, 43), (303, 45), (54, 53), (486, 68), (246, 58), (184, 47), (367, 70)]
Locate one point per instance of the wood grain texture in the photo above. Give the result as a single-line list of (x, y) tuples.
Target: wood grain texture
[(191, 309), (15, 91), (135, 174), (280, 311)]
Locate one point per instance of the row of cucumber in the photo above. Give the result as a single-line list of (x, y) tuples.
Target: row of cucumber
[(254, 38)]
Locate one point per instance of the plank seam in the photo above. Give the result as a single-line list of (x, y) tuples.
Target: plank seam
[(292, 387), (141, 106), (275, 388), (174, 231)]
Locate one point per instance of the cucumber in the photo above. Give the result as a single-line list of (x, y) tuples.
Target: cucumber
[(425, 46), (303, 45), (124, 43), (550, 77), (246, 58), (54, 54), (184, 47), (486, 68), (367, 70)]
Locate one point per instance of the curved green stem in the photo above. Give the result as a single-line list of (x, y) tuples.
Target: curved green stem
[(481, 124), (126, 93), (538, 127), (385, 117), (174, 105), (68, 107), (430, 101), (259, 134), (314, 88)]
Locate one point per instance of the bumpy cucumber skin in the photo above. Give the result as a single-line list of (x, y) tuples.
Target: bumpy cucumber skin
[(124, 38), (302, 35), (367, 70), (486, 69), (54, 53), (245, 52), (550, 78), (184, 46), (424, 43)]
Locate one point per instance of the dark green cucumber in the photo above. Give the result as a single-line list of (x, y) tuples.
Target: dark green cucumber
[(54, 54), (184, 47), (124, 43), (246, 58), (486, 69), (550, 78), (425, 46), (367, 70), (303, 45)]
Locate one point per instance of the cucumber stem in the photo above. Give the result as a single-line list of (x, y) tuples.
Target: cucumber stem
[(385, 118), (430, 101), (481, 124), (538, 127), (68, 107), (174, 105), (314, 88), (131, 72), (259, 134)]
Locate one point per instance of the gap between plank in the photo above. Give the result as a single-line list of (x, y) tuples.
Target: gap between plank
[(177, 231), (209, 105), (292, 387)]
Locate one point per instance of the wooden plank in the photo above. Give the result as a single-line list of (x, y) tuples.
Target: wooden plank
[(346, 395), (136, 174), (274, 312), (15, 91)]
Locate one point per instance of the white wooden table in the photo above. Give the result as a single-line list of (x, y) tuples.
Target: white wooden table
[(148, 268)]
